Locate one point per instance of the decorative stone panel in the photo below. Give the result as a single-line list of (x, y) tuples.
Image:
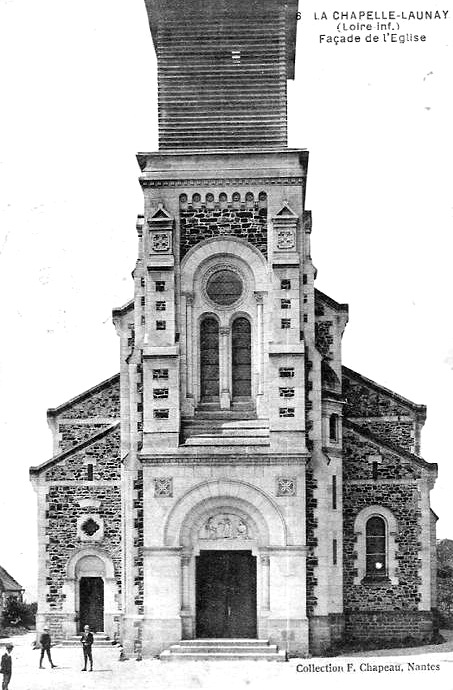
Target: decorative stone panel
[(90, 528), (286, 486), (163, 487)]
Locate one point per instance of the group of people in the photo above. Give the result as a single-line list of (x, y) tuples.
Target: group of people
[(45, 643)]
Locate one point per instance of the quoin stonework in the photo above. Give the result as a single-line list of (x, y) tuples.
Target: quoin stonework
[(235, 480)]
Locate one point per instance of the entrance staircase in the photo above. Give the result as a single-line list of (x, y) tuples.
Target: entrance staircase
[(100, 640), (223, 650), (225, 429)]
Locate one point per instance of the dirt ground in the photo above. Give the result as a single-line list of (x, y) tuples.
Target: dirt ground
[(431, 665)]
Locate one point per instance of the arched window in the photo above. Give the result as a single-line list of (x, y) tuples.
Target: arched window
[(333, 427), (375, 531), (376, 547), (241, 358), (209, 359)]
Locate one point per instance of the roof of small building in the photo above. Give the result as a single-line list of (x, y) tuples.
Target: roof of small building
[(8, 583)]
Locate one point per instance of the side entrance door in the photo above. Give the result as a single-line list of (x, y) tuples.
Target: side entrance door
[(226, 594), (91, 609)]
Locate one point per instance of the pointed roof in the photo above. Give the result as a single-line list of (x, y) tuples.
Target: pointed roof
[(37, 469), (391, 447), (54, 411), (419, 409)]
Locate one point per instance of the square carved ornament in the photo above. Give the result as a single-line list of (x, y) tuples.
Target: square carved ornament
[(286, 486), (163, 487)]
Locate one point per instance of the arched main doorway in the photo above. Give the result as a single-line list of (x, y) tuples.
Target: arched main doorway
[(225, 594), (241, 360), (209, 359)]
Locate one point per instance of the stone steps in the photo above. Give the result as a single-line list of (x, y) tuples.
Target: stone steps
[(223, 650), (215, 413), (221, 422), (225, 432), (227, 441)]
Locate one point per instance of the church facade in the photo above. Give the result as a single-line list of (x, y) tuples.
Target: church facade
[(235, 479)]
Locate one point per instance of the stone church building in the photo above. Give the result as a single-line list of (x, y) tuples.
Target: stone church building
[(235, 480)]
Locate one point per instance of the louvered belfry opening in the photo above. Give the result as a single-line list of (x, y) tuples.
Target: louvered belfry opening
[(222, 73)]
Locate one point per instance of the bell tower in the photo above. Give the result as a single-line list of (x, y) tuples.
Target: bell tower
[(222, 71), (220, 376)]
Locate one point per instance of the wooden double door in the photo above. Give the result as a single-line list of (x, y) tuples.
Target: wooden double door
[(226, 594)]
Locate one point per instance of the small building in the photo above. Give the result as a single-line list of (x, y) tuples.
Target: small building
[(9, 588)]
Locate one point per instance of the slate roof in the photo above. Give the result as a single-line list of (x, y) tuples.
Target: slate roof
[(8, 583)]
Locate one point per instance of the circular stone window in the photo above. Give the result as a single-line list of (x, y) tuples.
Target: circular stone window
[(224, 287)]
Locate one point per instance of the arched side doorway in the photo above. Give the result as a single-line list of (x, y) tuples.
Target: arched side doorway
[(241, 359), (91, 594), (90, 575), (209, 360)]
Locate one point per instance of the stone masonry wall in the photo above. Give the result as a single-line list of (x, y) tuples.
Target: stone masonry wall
[(363, 401), (73, 434), (197, 224), (324, 337), (381, 413), (103, 454), (63, 509), (399, 433), (104, 402), (402, 499), (357, 450), (376, 626), (312, 542)]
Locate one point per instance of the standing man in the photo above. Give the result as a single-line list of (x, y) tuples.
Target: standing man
[(87, 640), (7, 666), (46, 644)]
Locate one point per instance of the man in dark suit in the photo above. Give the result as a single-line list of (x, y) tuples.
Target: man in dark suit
[(87, 640), (6, 667), (45, 644)]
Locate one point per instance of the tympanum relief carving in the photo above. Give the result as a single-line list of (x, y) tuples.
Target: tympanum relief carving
[(225, 526)]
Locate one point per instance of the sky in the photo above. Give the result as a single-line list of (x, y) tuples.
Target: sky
[(78, 87)]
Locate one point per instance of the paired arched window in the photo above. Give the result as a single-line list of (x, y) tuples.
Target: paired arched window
[(240, 357)]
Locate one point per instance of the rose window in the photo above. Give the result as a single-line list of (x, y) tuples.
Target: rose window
[(224, 287)]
